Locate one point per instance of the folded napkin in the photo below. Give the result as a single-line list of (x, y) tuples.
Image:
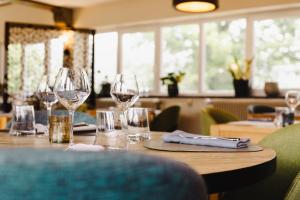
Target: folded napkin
[(85, 147), (85, 128), (40, 128), (188, 138)]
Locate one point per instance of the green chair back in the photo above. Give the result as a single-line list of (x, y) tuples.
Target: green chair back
[(286, 143), (294, 192), (210, 116), (167, 120)]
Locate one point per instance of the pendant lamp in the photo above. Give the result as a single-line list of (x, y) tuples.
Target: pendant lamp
[(195, 6)]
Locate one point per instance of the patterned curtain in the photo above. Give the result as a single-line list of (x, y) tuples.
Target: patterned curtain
[(34, 51)]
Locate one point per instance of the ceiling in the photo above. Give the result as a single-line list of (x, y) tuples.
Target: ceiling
[(74, 3)]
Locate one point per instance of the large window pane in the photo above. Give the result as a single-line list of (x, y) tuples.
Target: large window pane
[(277, 52), (138, 57), (106, 45), (14, 56), (224, 40), (33, 66), (180, 52)]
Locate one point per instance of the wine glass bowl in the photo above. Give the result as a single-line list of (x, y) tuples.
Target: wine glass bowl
[(72, 88), (46, 95), (292, 100), (45, 92), (125, 91)]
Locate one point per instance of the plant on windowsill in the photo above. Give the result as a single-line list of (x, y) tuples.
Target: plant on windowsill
[(241, 75), (171, 80)]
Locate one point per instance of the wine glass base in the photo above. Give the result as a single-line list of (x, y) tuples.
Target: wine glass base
[(134, 139)]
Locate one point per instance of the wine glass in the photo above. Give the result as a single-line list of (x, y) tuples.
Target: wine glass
[(46, 95), (72, 88), (292, 100), (125, 92)]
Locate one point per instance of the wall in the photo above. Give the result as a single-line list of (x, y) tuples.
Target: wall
[(137, 11)]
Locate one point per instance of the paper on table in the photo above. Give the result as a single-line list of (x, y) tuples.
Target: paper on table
[(188, 138), (89, 127), (85, 147)]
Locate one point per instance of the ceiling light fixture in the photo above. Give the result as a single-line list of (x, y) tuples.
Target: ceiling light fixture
[(195, 6)]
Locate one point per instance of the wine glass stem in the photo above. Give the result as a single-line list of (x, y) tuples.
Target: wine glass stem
[(48, 116), (71, 113)]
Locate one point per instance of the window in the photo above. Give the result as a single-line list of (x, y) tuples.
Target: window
[(224, 40), (180, 52), (277, 52), (15, 78), (204, 49), (34, 50), (33, 66), (138, 57), (106, 45)]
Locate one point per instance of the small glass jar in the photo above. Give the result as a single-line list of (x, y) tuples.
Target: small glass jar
[(59, 128)]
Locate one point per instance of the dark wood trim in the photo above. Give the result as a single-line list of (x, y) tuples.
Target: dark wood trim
[(43, 26)]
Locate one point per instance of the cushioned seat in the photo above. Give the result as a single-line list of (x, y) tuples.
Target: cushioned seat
[(167, 120), (257, 109), (48, 174), (210, 116), (286, 143)]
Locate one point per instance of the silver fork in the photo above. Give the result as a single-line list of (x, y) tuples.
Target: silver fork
[(209, 137)]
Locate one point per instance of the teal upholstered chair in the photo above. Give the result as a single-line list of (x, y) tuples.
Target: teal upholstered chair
[(48, 174), (167, 120), (286, 143), (210, 116)]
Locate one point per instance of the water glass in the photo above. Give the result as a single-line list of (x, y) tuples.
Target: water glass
[(23, 122), (138, 124), (109, 131), (59, 128)]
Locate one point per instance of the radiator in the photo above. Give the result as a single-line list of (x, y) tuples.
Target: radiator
[(239, 107)]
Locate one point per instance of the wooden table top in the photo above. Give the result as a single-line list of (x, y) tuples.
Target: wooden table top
[(215, 167), (256, 131)]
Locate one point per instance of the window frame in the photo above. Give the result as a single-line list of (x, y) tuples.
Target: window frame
[(250, 15)]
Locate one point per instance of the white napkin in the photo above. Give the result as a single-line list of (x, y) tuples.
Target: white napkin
[(40, 128), (188, 138), (89, 127), (85, 147)]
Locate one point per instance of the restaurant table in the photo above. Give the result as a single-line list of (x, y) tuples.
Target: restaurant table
[(256, 131), (222, 171)]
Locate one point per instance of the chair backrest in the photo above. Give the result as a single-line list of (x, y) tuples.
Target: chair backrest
[(210, 116), (294, 192), (41, 117), (167, 120), (286, 143), (50, 174), (258, 109)]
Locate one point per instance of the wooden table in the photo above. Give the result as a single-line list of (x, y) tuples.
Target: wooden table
[(221, 171), (255, 132)]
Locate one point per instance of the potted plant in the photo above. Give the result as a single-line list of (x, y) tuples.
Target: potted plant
[(171, 80), (241, 75)]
